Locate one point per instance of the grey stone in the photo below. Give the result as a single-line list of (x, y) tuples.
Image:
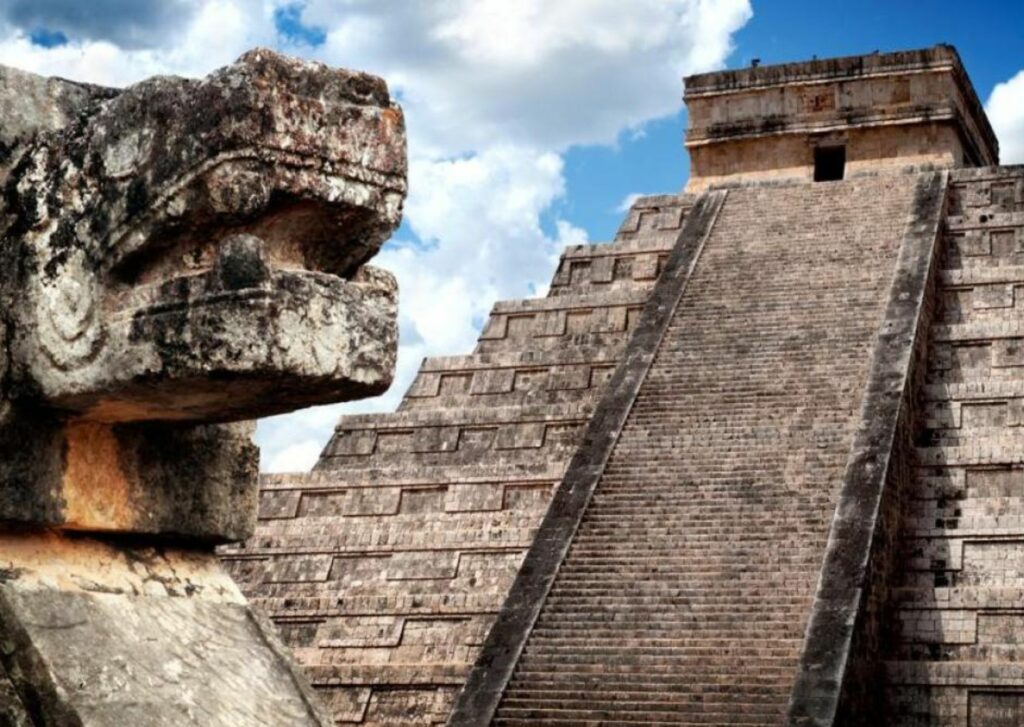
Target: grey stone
[(180, 254), (101, 635), (175, 259)]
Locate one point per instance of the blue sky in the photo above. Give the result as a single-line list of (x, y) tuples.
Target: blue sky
[(530, 122), (988, 35)]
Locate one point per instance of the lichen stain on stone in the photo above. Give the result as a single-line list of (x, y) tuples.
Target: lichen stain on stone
[(49, 560), (97, 493), (391, 119)]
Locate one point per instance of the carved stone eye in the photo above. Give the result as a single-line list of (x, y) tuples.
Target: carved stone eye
[(70, 328)]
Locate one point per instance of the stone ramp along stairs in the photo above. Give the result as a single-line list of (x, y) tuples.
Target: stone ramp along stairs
[(675, 577), (385, 568)]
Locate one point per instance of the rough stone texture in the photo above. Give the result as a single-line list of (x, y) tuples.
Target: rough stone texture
[(957, 615), (30, 104), (503, 647), (179, 253), (903, 110), (385, 568), (689, 587), (174, 258), (100, 634), (12, 709), (190, 246), (686, 591), (846, 634)]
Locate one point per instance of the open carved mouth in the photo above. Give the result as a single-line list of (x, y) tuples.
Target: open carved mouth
[(206, 260), (245, 312), (296, 238)]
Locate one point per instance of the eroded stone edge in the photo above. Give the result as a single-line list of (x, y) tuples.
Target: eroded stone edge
[(479, 698), (861, 537)]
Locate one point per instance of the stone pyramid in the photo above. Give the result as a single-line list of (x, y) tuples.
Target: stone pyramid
[(756, 461)]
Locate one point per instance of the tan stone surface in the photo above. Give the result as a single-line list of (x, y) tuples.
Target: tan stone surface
[(385, 567), (176, 257), (903, 110), (958, 602), (685, 594)]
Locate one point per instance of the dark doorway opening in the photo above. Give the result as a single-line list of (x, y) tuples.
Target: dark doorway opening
[(829, 163)]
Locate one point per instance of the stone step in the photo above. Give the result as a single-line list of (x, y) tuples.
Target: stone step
[(601, 714), (643, 638), (655, 218), (570, 320), (558, 440), (999, 272), (586, 384), (515, 378), (388, 439), (530, 720), (481, 471), (988, 218), (960, 540), (722, 555), (971, 389), (988, 332), (586, 268), (770, 671), (587, 339)]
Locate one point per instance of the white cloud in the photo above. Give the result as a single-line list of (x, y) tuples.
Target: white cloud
[(494, 93), (627, 202), (1005, 109), (534, 72), (479, 248), (217, 33), (297, 457)]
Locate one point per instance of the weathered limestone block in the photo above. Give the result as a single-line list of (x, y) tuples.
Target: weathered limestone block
[(175, 258), (182, 253), (30, 104), (194, 215), (101, 634)]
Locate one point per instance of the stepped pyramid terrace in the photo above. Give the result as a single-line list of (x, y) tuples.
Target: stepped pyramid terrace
[(754, 461)]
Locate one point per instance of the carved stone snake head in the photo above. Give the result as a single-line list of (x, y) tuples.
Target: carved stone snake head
[(193, 250), (177, 256)]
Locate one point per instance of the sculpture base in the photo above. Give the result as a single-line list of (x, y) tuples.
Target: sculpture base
[(186, 482), (102, 633)]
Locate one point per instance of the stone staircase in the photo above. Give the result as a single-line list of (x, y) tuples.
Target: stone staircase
[(386, 566), (685, 594), (958, 600)]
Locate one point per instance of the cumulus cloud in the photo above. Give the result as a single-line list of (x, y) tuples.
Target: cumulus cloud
[(212, 34), (545, 74), (494, 92), (473, 248), (627, 202), (126, 23), (1005, 109)]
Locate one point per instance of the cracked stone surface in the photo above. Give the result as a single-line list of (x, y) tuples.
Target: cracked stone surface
[(176, 259), (101, 634), (177, 255)]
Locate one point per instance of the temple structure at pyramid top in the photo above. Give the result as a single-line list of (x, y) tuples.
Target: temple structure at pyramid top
[(835, 118)]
